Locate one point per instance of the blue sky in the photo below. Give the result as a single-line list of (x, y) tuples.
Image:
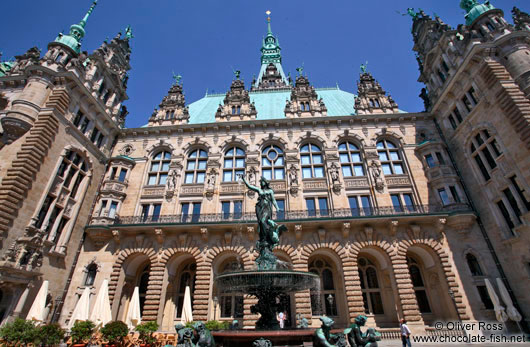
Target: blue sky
[(203, 39)]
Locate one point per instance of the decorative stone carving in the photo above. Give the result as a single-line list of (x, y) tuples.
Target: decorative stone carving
[(171, 184), (159, 235), (251, 233), (372, 99), (304, 101), (236, 104), (127, 150), (392, 227), (346, 230), (211, 178), (333, 170), (116, 236), (298, 231), (322, 234), (204, 234), (172, 109), (379, 182), (294, 184)]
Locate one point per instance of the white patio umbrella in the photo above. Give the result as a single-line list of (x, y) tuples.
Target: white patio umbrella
[(512, 312), (499, 309), (36, 311), (187, 312), (101, 313), (134, 316), (81, 309)]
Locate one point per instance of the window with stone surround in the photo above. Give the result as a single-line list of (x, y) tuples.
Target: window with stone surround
[(351, 160), (402, 202), (391, 160), (56, 214), (159, 168), (196, 167), (91, 272), (186, 278), (473, 265), (485, 297), (484, 151), (325, 301), (419, 285), (312, 161), (234, 164), (273, 163), (371, 291), (231, 305)]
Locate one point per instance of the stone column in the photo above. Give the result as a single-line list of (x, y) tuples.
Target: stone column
[(303, 298), (201, 294), (407, 297), (154, 292), (352, 287)]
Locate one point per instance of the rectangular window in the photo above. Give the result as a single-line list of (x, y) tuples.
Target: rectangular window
[(452, 122), (76, 186), (60, 229), (444, 66), (505, 214), (51, 222), (103, 207), (78, 118), (152, 180), (457, 114), (513, 203), (84, 125), (482, 168), (367, 205), (238, 209), (123, 174), (396, 203), (454, 193), (473, 95), (440, 158), (156, 212), (311, 208), (443, 196), (113, 208), (99, 142), (467, 103), (520, 192), (430, 160), (489, 158), (485, 297), (441, 75), (280, 214), (409, 202), (354, 206), (225, 208), (113, 172), (145, 212), (196, 212), (323, 206), (95, 133), (185, 210)]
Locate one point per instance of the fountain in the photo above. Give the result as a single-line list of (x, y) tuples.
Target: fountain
[(271, 278)]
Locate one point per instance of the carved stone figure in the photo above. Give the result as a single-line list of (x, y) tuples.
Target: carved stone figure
[(425, 97), (293, 175), (172, 180), (334, 173), (357, 338), (185, 336), (210, 181), (376, 174)]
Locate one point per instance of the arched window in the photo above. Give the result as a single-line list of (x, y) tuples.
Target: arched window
[(234, 164), (186, 278), (390, 158), (196, 166), (419, 286), (91, 272), (312, 161), (272, 163), (351, 160), (159, 168), (473, 265), (143, 281), (373, 304), (231, 304), (68, 184), (484, 149), (59, 57), (325, 301)]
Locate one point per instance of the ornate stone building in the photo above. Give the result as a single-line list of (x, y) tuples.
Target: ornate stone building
[(401, 214)]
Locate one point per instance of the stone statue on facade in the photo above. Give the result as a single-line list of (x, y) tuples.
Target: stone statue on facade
[(324, 338), (334, 173), (376, 174), (357, 338), (425, 97), (210, 181), (269, 231)]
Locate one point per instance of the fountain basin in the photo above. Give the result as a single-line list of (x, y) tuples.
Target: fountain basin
[(255, 282)]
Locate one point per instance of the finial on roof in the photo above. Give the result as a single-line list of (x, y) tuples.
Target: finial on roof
[(300, 70), (364, 67), (77, 32), (177, 78), (128, 33), (90, 10), (269, 31)]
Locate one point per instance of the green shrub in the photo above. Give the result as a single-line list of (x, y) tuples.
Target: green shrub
[(82, 331), (50, 334), (146, 331), (114, 332), (19, 331), (216, 325), (189, 325)]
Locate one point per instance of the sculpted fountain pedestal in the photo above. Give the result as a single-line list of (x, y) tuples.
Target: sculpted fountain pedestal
[(269, 280)]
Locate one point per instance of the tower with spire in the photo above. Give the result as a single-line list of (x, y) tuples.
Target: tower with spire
[(271, 75)]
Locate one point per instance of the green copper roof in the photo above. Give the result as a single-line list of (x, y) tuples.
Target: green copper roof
[(77, 32), (270, 54), (5, 67), (474, 9), (271, 104)]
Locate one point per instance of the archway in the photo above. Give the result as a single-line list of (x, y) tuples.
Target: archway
[(134, 273)]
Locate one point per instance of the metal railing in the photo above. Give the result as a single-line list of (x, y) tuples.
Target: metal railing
[(286, 216)]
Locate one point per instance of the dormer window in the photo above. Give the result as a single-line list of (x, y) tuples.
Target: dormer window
[(59, 57), (101, 88), (490, 27), (236, 110)]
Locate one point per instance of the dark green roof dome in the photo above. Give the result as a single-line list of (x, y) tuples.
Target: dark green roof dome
[(474, 9)]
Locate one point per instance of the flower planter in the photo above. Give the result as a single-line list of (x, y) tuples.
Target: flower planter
[(78, 345)]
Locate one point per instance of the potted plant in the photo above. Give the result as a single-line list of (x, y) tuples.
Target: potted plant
[(81, 333), (19, 331), (114, 332), (146, 331), (50, 334)]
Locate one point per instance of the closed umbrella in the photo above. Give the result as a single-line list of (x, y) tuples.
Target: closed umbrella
[(499, 309), (513, 314), (81, 309), (36, 311), (101, 313), (187, 313), (134, 316)]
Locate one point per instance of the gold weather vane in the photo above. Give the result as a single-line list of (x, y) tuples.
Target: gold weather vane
[(268, 13)]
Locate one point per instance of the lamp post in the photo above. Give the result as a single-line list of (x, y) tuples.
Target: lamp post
[(330, 301), (215, 302)]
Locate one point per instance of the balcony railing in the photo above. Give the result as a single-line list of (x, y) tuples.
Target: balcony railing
[(287, 216)]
